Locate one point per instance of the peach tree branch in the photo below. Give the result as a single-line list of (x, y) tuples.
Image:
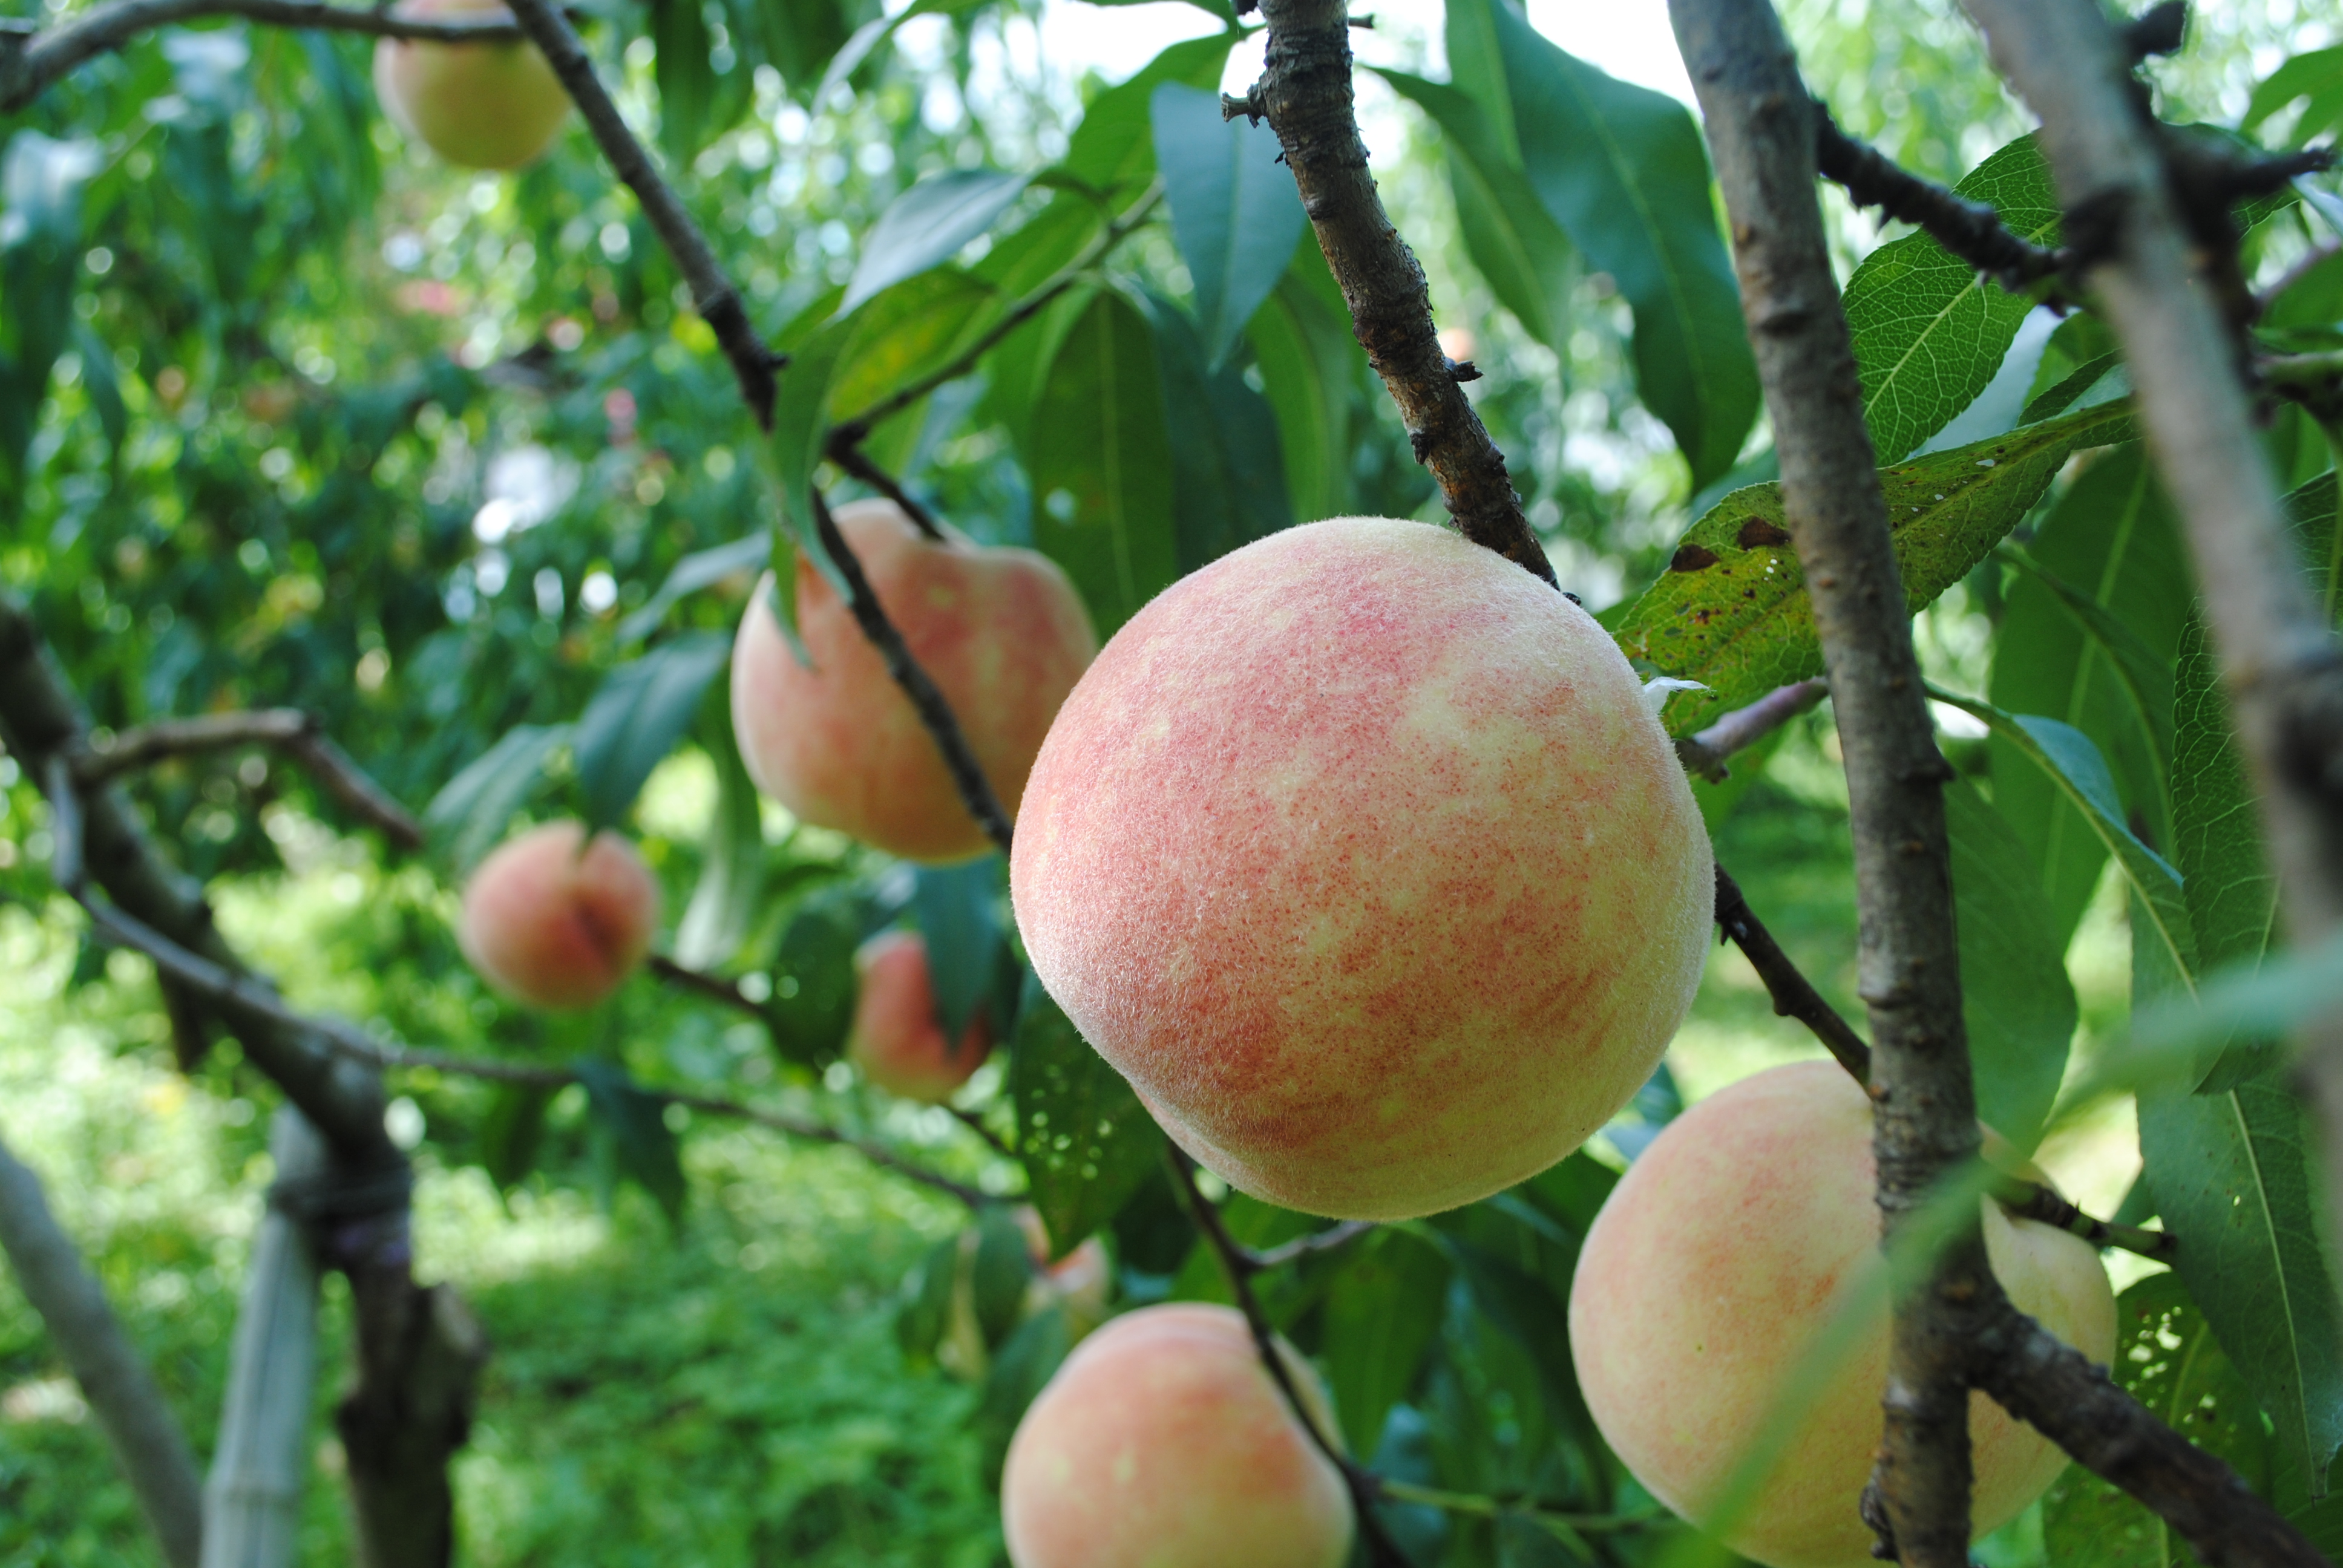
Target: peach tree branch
[(1761, 130), (712, 293), (300, 736), (1305, 95), (34, 59), (115, 1378), (1706, 752), (2279, 660)]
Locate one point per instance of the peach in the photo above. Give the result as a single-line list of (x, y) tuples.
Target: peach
[(895, 1040), (1162, 1442), (478, 105), (1358, 853), (548, 926), (1717, 1258), (1002, 632), (1080, 1282)]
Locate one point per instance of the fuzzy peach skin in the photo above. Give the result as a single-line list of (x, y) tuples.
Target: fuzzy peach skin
[(1163, 1444), (897, 1042), (1719, 1255), (550, 928), (1002, 632), (1359, 855), (478, 105)]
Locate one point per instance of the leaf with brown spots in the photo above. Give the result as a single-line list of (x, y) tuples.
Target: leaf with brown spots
[(1732, 612)]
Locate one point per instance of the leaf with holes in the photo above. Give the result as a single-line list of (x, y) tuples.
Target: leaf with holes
[(1732, 613), (1929, 329), (1087, 1142)]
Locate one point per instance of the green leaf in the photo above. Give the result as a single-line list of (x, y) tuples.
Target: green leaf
[(2022, 1018), (511, 1132), (470, 813), (1218, 9), (2216, 834), (631, 1137), (687, 80), (1100, 454), (1087, 1143), (953, 905), (1234, 211), (1929, 329), (1002, 1269), (814, 982), (1621, 169), (1380, 1315), (2316, 76), (2067, 758), (42, 184), (698, 570), (1228, 475), (1310, 366), (635, 720), (2231, 1174), (1516, 243), (725, 901), (926, 224), (926, 1312), (1113, 151), (2088, 635), (1018, 1372), (2263, 1000), (2167, 1359), (1732, 611)]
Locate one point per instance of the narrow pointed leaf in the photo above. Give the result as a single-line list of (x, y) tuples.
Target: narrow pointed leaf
[(470, 813), (635, 720), (1310, 366), (1234, 211), (2021, 1021), (926, 224)]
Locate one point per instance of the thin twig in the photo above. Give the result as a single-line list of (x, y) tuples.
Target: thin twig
[(1970, 230), (974, 1122), (1363, 1484), (1500, 1504), (715, 988), (31, 63), (300, 736), (959, 757), (1706, 752), (1762, 128), (1794, 994), (850, 457), (852, 431), (712, 293), (2304, 264), (1315, 1244), (1306, 94), (2030, 1200)]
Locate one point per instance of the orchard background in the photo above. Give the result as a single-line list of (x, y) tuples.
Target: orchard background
[(295, 416)]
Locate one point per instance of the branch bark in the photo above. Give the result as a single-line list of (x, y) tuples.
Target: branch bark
[(1762, 129), (114, 1377), (252, 1500), (1705, 753), (1306, 94), (33, 62), (2280, 660), (712, 293)]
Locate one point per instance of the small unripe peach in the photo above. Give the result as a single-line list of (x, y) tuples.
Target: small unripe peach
[(1359, 853), (897, 1040), (1003, 634), (478, 105), (1163, 1442), (552, 928), (1721, 1254)]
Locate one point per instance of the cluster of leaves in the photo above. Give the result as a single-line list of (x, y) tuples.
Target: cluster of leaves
[(257, 469)]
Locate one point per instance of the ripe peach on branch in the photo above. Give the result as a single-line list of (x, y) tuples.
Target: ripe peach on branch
[(897, 1040), (1359, 853), (832, 738), (481, 105), (554, 926)]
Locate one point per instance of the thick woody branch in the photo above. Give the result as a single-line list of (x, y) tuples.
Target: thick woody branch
[(33, 61), (712, 293), (1706, 752), (114, 1377), (300, 736), (1240, 1265), (1306, 94), (959, 757), (1970, 230), (1762, 128), (2279, 660)]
